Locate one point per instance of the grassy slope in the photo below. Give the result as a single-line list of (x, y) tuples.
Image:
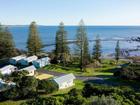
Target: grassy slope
[(105, 70), (78, 84), (11, 102)]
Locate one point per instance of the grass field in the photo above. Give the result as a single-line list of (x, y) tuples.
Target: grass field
[(44, 76), (106, 69), (12, 102)]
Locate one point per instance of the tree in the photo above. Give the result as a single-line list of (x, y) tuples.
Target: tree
[(28, 86), (117, 51), (48, 85), (11, 93), (61, 48), (34, 43), (97, 50), (74, 92), (104, 101), (7, 45), (1, 76), (1, 28), (82, 45), (43, 101), (75, 100)]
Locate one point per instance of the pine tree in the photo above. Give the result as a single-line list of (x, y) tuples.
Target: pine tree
[(82, 45), (7, 45), (1, 28), (61, 48), (117, 51), (34, 43), (97, 49)]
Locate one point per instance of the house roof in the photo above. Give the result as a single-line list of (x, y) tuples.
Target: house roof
[(42, 60), (31, 58), (29, 68), (8, 83), (7, 67), (64, 78), (19, 57)]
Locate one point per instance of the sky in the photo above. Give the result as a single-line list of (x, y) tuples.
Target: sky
[(52, 12)]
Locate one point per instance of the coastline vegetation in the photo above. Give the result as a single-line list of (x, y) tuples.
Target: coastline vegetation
[(31, 91)]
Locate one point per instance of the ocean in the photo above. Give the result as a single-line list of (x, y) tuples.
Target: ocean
[(47, 34)]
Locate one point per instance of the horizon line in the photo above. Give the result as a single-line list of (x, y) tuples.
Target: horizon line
[(65, 25)]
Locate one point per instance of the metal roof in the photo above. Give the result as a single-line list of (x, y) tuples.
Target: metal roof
[(19, 57), (31, 58), (64, 78), (8, 67), (42, 60), (29, 68)]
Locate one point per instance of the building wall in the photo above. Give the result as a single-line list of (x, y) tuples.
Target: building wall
[(31, 73), (65, 85), (23, 62), (12, 61)]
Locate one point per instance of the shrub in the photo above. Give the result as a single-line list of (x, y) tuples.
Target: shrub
[(104, 101), (131, 72), (48, 86)]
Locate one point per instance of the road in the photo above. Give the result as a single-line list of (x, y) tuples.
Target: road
[(83, 78)]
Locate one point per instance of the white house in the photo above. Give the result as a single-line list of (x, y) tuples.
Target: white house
[(8, 69), (30, 69), (28, 60), (14, 60), (5, 85), (65, 81), (41, 62)]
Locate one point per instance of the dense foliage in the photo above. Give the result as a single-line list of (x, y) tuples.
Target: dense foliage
[(48, 86), (130, 71), (93, 94), (34, 43), (82, 45), (26, 87), (61, 47), (7, 46), (117, 51), (97, 50)]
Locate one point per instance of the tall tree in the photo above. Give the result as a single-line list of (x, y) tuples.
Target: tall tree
[(7, 45), (117, 51), (61, 48), (34, 43), (82, 45), (97, 49)]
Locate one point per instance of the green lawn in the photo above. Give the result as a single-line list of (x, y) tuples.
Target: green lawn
[(11, 102), (106, 69), (78, 84)]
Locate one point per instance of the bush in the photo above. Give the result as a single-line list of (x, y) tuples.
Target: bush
[(131, 72), (48, 86), (104, 101), (43, 101), (93, 90), (74, 100)]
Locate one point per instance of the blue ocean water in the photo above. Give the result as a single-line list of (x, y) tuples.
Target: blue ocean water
[(47, 33)]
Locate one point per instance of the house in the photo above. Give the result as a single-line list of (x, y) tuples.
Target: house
[(65, 81), (14, 60), (30, 69), (8, 69), (5, 85), (28, 60), (41, 62)]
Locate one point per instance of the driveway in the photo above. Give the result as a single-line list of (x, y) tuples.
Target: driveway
[(83, 78)]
